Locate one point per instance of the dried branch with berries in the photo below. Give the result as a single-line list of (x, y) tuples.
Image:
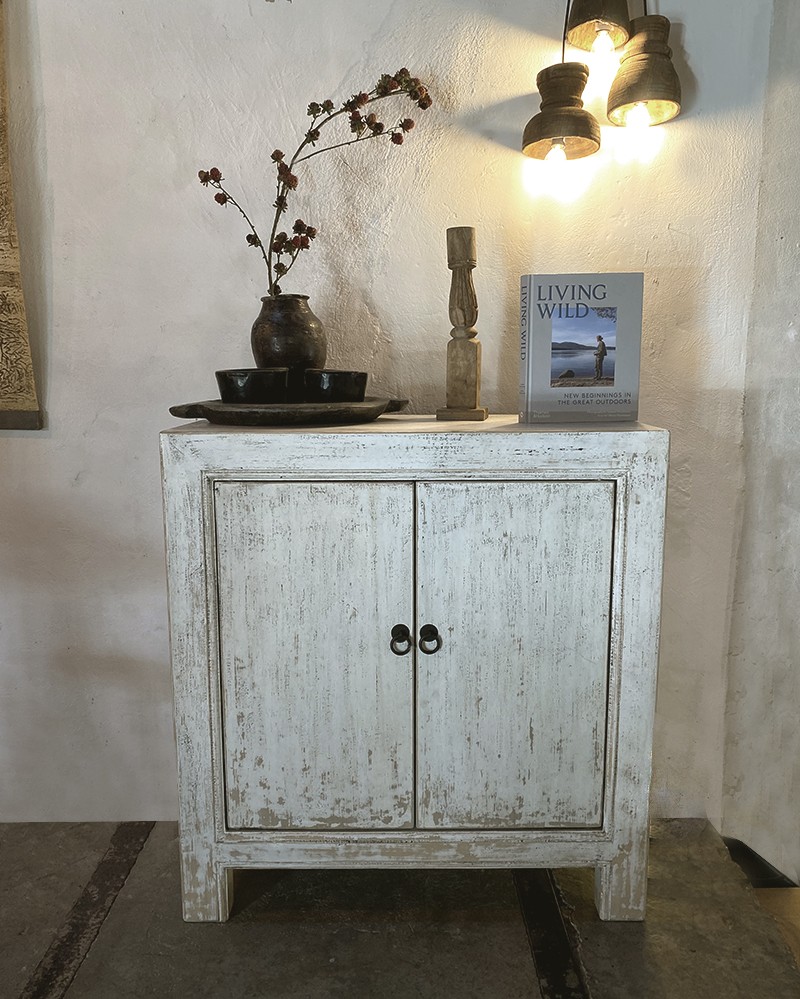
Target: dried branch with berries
[(281, 251)]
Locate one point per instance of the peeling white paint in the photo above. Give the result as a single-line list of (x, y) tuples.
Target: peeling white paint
[(255, 671)]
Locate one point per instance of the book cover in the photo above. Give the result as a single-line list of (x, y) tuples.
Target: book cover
[(580, 345)]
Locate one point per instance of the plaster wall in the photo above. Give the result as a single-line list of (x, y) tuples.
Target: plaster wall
[(762, 758), (138, 287)]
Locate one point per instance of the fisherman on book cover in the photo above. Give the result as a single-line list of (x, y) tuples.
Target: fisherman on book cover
[(599, 356), (583, 346)]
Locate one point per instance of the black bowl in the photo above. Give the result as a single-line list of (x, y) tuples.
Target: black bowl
[(260, 385), (323, 385)]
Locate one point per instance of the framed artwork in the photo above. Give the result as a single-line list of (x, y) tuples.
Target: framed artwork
[(19, 404)]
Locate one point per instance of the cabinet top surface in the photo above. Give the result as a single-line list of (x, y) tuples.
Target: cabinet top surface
[(503, 423)]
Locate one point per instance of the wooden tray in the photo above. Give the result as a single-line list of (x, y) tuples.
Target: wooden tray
[(285, 414)]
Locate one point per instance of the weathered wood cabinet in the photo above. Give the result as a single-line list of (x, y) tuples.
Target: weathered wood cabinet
[(508, 725)]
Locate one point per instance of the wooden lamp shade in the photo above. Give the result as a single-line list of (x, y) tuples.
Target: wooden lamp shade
[(587, 17), (562, 119), (646, 75)]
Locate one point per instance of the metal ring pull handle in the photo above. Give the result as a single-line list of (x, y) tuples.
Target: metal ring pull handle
[(401, 640), (430, 640)]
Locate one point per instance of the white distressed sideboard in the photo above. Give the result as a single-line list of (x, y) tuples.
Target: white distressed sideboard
[(414, 644)]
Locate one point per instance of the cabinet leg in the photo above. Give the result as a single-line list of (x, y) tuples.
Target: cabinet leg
[(620, 886), (207, 893)]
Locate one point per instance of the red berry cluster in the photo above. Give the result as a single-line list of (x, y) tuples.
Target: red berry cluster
[(315, 110), (285, 175), (214, 177), (404, 81), (284, 244)]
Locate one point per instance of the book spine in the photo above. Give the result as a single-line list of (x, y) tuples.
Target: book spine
[(525, 345)]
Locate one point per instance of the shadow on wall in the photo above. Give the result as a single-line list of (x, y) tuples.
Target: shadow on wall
[(704, 502), (397, 371), (762, 740), (691, 683), (688, 80), (397, 368), (503, 123)]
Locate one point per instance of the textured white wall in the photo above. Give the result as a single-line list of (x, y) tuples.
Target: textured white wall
[(762, 763), (138, 287)]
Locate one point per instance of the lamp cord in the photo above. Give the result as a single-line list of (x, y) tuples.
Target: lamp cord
[(644, 5), (564, 34)]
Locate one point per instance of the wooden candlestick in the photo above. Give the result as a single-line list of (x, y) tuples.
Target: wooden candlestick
[(463, 350)]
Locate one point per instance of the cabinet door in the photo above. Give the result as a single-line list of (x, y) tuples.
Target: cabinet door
[(512, 709), (317, 711)]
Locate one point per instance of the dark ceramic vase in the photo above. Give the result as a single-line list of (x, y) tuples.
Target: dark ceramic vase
[(287, 334)]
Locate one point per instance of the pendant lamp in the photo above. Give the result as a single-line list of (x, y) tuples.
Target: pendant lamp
[(646, 88), (562, 129), (593, 21)]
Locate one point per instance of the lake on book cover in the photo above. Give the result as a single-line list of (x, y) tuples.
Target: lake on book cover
[(574, 339), (581, 362)]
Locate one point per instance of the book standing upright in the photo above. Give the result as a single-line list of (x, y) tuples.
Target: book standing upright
[(580, 345)]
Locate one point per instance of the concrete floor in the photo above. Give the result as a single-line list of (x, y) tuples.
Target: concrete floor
[(365, 934)]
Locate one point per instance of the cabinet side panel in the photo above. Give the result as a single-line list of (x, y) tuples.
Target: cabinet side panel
[(205, 895), (512, 709), (317, 711)]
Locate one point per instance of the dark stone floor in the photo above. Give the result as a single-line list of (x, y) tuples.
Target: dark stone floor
[(364, 934), (705, 936)]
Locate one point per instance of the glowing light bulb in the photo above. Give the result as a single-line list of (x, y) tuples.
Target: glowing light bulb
[(557, 152), (603, 62), (603, 43), (638, 116)]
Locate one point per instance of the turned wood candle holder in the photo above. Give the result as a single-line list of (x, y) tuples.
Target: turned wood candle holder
[(464, 349)]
